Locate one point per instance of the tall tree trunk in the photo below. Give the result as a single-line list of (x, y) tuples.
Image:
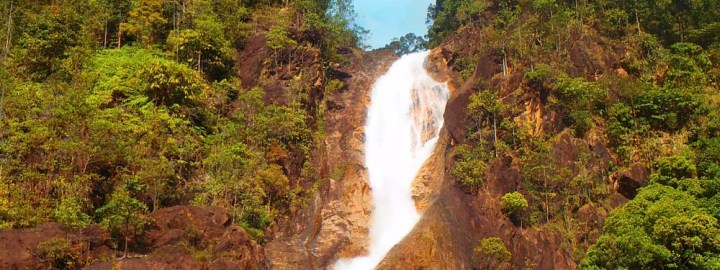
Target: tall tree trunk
[(495, 134), (105, 35), (8, 34), (547, 201), (504, 67), (126, 235), (126, 247), (682, 33), (199, 59), (119, 36)]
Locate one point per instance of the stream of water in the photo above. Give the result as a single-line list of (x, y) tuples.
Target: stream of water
[(403, 123)]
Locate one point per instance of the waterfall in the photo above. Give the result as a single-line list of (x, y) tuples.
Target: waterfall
[(403, 124)]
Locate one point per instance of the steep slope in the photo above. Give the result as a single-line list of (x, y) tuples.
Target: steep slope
[(229, 135)]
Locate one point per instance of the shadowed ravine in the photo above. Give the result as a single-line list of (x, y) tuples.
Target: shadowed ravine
[(404, 120)]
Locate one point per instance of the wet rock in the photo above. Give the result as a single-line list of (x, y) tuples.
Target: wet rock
[(436, 64), (429, 179), (455, 112)]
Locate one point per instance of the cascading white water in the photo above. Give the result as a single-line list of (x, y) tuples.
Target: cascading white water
[(403, 124)]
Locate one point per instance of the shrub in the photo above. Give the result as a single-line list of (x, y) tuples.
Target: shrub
[(334, 86), (58, 253), (513, 204), (494, 252), (469, 168)]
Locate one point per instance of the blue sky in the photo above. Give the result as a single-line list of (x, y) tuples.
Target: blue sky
[(388, 19)]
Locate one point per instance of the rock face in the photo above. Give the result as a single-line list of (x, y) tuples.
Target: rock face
[(180, 237), (335, 223)]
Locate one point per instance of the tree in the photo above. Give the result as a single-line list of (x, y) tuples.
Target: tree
[(123, 215), (687, 65), (494, 252), (41, 48), (200, 39), (485, 106), (406, 44), (145, 20), (668, 108), (71, 211), (279, 42), (7, 29), (444, 19), (578, 100), (674, 170), (114, 12)]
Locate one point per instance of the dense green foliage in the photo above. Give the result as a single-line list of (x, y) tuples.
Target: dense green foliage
[(113, 109), (673, 223), (639, 75)]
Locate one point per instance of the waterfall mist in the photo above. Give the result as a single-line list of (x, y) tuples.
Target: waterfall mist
[(403, 123)]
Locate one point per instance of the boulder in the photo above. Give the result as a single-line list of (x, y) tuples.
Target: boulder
[(630, 180)]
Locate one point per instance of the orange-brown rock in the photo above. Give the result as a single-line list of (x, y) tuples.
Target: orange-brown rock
[(437, 65), (335, 222), (428, 180)]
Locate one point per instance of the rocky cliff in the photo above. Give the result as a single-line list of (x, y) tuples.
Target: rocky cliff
[(334, 223)]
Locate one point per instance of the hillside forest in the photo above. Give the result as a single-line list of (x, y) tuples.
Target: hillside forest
[(114, 109), (111, 110), (641, 77)]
